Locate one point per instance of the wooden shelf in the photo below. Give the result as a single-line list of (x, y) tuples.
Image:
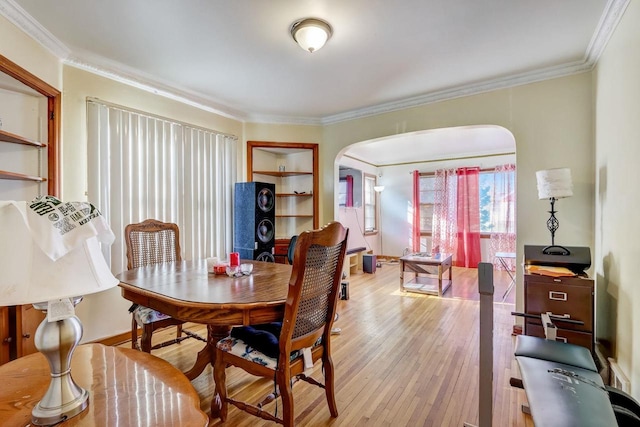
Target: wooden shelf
[(281, 174), (294, 195), (16, 139), (20, 176)]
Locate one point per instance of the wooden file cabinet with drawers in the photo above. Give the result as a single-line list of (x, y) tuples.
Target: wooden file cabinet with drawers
[(571, 297)]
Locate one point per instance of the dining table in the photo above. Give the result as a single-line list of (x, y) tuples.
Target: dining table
[(187, 291)]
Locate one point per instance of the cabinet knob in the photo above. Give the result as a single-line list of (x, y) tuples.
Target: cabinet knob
[(26, 336), (7, 339)]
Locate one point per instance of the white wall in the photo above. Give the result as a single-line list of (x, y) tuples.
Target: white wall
[(617, 198), (353, 218)]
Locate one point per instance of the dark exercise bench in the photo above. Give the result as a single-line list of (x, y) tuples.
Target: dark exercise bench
[(564, 388)]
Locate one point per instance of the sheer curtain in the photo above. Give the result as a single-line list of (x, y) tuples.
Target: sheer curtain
[(142, 167), (415, 233), (503, 215), (468, 218), (444, 212)]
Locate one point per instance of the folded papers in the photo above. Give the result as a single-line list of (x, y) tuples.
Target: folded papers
[(548, 270)]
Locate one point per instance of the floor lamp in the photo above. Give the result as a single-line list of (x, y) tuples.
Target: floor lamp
[(554, 184), (50, 256), (379, 189)]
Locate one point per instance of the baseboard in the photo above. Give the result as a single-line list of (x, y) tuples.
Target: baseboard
[(117, 339)]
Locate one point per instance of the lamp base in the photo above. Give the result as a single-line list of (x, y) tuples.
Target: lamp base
[(57, 341), (556, 250)]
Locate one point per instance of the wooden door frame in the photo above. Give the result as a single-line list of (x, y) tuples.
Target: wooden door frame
[(54, 102)]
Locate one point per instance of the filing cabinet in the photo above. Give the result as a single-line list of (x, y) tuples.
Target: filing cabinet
[(569, 297)]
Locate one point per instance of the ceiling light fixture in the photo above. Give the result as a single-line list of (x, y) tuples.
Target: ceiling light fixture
[(311, 33)]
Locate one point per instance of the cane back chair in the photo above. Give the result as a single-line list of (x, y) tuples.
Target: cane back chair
[(305, 330), (153, 242)]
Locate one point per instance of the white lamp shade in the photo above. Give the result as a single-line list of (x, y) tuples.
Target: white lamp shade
[(554, 183), (311, 34), (29, 275)]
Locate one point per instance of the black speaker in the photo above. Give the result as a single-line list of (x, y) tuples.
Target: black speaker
[(256, 254), (254, 219), (369, 263)]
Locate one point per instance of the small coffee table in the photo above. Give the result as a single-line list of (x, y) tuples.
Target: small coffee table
[(426, 284)]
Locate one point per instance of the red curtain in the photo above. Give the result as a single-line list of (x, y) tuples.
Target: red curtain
[(468, 219), (415, 235), (349, 201)]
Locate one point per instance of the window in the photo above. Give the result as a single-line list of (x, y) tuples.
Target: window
[(149, 167), (370, 205), (345, 191), (490, 201)]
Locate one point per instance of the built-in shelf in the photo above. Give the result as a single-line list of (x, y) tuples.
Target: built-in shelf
[(281, 174), (20, 176), (16, 139), (293, 168), (294, 195)]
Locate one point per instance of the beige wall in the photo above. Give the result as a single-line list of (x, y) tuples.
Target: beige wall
[(29, 54), (617, 198), (552, 125)]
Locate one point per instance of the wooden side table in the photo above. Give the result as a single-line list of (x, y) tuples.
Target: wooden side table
[(416, 263), (127, 387)]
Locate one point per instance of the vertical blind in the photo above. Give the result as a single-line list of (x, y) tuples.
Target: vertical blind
[(143, 167)]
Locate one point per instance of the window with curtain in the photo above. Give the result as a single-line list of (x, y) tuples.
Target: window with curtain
[(370, 217), (493, 206), (502, 213), (496, 200), (141, 166)]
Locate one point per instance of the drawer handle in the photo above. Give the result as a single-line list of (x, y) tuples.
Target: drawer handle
[(557, 296)]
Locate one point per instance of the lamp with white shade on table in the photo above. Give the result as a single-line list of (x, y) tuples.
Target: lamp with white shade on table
[(50, 256), (554, 184)]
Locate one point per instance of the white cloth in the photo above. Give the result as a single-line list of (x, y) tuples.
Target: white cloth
[(58, 227), (65, 265)]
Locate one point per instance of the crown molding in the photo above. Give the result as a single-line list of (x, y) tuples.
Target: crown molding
[(609, 20), (135, 79), (21, 19)]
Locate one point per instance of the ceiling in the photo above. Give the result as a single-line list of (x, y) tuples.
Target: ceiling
[(237, 57)]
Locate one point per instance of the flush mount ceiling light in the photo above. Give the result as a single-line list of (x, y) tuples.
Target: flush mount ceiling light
[(311, 33)]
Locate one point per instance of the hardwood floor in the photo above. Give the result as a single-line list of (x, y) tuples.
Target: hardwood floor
[(402, 359)]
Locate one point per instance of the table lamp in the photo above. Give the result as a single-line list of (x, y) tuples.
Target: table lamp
[(554, 184), (50, 256)]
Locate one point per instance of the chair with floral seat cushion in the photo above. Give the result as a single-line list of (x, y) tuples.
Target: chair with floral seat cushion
[(305, 332), (153, 242)]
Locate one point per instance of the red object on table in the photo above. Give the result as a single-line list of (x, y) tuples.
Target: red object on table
[(234, 259)]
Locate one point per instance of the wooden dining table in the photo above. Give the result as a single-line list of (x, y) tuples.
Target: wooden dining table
[(186, 291)]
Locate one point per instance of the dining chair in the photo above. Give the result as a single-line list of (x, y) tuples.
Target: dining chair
[(304, 334), (153, 242)]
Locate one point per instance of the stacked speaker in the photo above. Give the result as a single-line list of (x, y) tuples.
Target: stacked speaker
[(254, 220)]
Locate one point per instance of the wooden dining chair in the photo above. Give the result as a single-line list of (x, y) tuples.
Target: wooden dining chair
[(304, 332), (153, 242)]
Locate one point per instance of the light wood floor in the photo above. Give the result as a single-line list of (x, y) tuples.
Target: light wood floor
[(402, 359)]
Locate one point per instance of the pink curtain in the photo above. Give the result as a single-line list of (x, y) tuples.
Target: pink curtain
[(444, 212), (468, 219), (503, 215), (349, 201), (415, 235)]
